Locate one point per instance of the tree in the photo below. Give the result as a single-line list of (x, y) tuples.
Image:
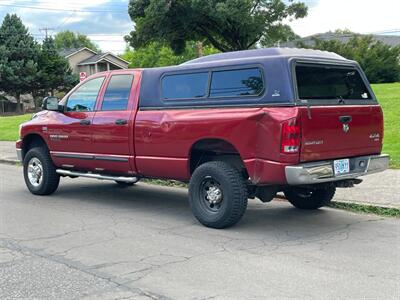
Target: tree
[(228, 25), (159, 55), (68, 39), (280, 33), (380, 62), (18, 58), (54, 71)]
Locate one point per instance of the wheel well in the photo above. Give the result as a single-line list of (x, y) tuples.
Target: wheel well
[(215, 149), (30, 141)]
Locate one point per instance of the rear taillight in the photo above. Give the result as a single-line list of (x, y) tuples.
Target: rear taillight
[(290, 142)]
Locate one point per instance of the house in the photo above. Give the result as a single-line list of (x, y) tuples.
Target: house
[(391, 40), (86, 60)]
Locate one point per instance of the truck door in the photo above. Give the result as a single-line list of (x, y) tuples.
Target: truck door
[(113, 125), (70, 134)]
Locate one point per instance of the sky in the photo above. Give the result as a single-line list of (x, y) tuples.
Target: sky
[(106, 21)]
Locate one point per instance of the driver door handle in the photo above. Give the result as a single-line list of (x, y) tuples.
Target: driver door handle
[(121, 122), (84, 122)]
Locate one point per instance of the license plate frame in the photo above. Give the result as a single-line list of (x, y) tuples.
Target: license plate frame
[(341, 166)]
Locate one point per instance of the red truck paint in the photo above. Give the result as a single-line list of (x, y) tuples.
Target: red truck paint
[(324, 126)]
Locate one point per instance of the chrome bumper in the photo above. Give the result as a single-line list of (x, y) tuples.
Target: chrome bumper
[(322, 171), (19, 154)]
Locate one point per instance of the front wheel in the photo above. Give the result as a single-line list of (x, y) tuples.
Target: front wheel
[(39, 172), (217, 194), (307, 198)]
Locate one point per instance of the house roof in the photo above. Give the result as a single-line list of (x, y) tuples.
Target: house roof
[(391, 40), (70, 51), (103, 56), (91, 60)]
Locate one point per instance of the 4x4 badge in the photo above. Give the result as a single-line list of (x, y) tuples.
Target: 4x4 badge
[(346, 128)]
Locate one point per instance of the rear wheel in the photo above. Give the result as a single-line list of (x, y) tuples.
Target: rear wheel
[(39, 172), (217, 194), (307, 198)]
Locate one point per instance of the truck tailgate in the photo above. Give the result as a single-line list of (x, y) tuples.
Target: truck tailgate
[(340, 131)]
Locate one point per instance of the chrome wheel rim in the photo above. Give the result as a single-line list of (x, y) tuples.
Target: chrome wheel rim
[(35, 171), (211, 196)]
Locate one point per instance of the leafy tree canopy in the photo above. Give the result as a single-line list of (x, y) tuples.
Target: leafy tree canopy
[(55, 72), (158, 55), (18, 57), (68, 39), (227, 25), (278, 34), (380, 62)]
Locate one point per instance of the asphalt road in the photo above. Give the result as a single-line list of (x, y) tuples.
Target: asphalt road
[(96, 240)]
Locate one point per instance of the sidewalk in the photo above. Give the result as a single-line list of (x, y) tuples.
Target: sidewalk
[(7, 152), (382, 189)]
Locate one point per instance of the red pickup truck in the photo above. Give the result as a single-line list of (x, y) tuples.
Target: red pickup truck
[(234, 125)]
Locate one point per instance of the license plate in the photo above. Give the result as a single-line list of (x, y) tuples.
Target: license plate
[(341, 166)]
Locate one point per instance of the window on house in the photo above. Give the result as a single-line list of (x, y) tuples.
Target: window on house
[(185, 86), (117, 93), (237, 83), (84, 98)]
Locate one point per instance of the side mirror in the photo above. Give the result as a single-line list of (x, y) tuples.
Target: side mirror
[(51, 103)]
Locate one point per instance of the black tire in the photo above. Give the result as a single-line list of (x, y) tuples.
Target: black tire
[(123, 183), (232, 201), (49, 178), (304, 198)]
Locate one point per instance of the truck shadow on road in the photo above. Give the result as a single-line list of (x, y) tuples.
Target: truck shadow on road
[(170, 205)]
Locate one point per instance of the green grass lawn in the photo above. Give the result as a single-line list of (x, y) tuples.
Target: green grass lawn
[(388, 95), (9, 126)]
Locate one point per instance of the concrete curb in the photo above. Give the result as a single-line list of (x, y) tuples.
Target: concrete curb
[(282, 198), (9, 161)]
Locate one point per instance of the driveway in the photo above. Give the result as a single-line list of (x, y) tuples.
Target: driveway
[(94, 239)]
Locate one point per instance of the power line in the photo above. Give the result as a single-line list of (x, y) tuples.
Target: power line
[(62, 9), (65, 20), (43, 35), (29, 3)]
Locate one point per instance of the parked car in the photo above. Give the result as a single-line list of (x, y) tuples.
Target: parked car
[(234, 125)]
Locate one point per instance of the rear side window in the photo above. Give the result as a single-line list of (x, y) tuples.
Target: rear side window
[(117, 93), (236, 83), (330, 82), (185, 86)]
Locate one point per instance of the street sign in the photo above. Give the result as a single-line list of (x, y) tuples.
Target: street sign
[(82, 76)]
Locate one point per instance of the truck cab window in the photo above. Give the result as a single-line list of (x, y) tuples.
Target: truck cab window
[(117, 93), (84, 98)]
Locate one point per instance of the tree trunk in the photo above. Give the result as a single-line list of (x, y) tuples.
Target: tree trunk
[(200, 50), (18, 97), (34, 96)]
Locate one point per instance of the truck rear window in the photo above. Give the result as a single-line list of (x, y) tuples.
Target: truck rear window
[(330, 82)]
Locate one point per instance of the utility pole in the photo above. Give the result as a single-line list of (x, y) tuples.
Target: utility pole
[(46, 29)]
